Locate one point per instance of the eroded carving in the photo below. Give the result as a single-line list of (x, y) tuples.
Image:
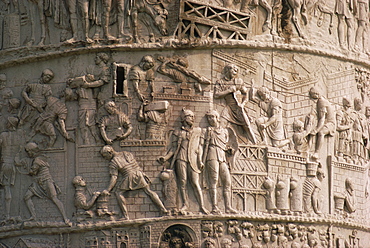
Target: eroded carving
[(133, 178), (186, 153)]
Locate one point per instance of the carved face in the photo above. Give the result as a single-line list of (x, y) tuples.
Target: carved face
[(232, 71), (189, 119), (212, 120), (47, 77), (107, 155)]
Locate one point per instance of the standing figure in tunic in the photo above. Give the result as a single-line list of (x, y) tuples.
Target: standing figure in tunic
[(186, 153), (9, 144), (228, 88), (214, 158)]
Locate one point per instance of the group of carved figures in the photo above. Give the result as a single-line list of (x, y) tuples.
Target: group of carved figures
[(192, 149), (352, 18)]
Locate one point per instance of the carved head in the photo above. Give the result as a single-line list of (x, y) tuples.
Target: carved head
[(183, 62), (346, 103), (147, 62), (187, 117), (298, 126), (176, 242), (213, 118), (314, 93), (209, 243), (263, 93), (47, 75), (101, 57), (231, 71), (357, 104), (107, 152), (78, 181), (226, 243), (32, 149), (367, 111), (12, 123), (349, 185), (111, 107), (160, 20)]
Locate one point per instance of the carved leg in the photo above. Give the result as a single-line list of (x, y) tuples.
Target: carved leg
[(30, 205), (350, 33), (267, 25), (121, 18), (295, 19), (84, 6), (8, 200), (213, 173), (341, 33), (40, 6), (155, 199), (134, 26), (181, 180), (198, 191), (226, 181), (122, 204)]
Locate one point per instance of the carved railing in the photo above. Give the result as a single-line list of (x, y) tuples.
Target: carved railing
[(200, 20)]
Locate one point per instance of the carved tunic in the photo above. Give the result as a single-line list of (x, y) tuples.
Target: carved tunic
[(235, 113), (133, 177), (345, 7), (44, 184), (217, 143), (324, 108), (55, 109), (136, 73), (188, 142), (9, 142), (114, 125), (38, 93), (273, 108)]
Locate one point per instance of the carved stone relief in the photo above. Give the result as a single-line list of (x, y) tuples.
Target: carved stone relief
[(184, 123)]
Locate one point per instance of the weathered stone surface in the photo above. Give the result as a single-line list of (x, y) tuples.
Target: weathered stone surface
[(184, 123)]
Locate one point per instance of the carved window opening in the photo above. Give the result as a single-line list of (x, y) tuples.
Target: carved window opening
[(120, 77)]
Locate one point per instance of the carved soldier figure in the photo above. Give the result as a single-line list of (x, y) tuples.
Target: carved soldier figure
[(55, 111), (325, 120), (82, 204), (35, 95), (300, 138), (116, 125), (214, 157), (346, 9), (85, 93), (133, 178), (360, 134), (73, 6), (350, 198), (179, 72), (345, 120), (142, 77), (44, 185), (228, 88), (362, 22), (271, 126), (10, 142), (186, 153)]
